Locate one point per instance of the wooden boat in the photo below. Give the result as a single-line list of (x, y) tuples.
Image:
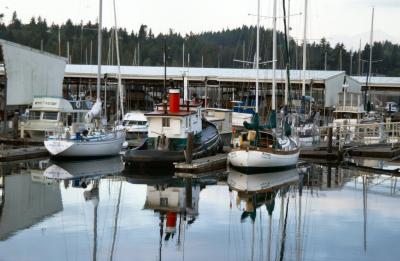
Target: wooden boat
[(171, 129), (270, 147)]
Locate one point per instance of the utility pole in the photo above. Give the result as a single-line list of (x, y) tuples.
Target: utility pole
[(340, 59), (243, 54), (326, 60), (68, 51), (351, 63), (183, 55), (91, 51), (59, 41), (138, 53), (81, 42), (359, 59)]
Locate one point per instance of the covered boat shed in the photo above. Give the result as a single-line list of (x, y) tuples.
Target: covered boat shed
[(382, 89), (143, 83)]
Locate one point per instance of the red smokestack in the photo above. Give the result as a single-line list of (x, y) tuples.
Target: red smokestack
[(174, 100)]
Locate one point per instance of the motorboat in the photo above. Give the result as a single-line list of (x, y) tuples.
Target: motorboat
[(52, 114)]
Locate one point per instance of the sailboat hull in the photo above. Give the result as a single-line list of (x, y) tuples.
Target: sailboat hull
[(257, 161), (261, 182), (79, 148)]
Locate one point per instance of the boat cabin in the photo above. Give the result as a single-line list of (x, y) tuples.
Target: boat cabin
[(135, 121), (173, 122), (349, 106), (50, 114), (222, 118)]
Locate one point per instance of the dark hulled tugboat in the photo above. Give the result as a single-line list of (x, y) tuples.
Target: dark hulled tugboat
[(175, 130)]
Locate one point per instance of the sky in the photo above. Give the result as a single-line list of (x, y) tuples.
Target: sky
[(346, 21)]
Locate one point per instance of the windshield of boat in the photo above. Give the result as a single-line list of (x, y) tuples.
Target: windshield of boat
[(50, 115), (34, 115), (130, 123)]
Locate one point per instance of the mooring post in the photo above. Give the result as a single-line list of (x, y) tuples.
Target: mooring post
[(15, 125), (189, 148), (188, 188), (330, 139)]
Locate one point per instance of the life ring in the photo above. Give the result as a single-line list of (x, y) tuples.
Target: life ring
[(78, 104)]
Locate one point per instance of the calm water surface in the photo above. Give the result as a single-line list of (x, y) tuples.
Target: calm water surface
[(89, 211)]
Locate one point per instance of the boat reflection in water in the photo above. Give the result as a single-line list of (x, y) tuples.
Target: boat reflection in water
[(87, 169), (255, 191), (176, 201), (86, 173)]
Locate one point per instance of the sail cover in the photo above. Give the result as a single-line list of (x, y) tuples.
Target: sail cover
[(31, 73)]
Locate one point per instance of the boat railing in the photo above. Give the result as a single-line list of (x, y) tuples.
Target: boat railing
[(363, 134), (81, 104), (64, 134)]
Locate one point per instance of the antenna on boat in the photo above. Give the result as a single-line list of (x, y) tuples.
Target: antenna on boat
[(258, 53)]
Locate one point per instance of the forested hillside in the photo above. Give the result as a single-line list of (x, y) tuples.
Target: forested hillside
[(208, 49)]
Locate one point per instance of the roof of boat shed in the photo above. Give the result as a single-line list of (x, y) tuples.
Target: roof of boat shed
[(378, 81), (199, 74)]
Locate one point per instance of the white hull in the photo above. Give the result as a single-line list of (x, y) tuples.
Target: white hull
[(255, 161), (97, 148), (260, 182)]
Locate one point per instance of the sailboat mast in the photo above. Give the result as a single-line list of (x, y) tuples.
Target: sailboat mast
[(120, 91), (303, 89), (288, 32), (99, 38), (371, 39), (257, 53), (274, 59)]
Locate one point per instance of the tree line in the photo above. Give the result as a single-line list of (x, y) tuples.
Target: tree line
[(228, 48)]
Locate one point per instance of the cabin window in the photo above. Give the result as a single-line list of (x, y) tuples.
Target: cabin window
[(165, 122), (50, 115), (34, 115), (163, 202), (140, 123)]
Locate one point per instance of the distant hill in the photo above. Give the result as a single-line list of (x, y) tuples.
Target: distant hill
[(208, 49)]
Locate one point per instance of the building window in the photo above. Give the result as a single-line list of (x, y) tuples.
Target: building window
[(165, 122)]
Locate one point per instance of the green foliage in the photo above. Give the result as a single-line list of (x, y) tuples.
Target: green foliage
[(210, 49)]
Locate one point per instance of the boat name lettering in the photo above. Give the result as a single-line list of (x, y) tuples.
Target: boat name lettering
[(266, 155)]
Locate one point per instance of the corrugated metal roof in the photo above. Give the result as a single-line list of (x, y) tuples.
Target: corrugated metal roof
[(219, 74), (378, 81)]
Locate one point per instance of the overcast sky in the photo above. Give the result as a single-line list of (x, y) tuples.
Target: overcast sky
[(344, 20)]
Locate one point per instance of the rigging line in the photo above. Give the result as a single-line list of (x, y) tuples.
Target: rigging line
[(287, 56), (282, 252), (116, 222)]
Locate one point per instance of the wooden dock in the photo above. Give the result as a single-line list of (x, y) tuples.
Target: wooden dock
[(8, 153), (203, 165)]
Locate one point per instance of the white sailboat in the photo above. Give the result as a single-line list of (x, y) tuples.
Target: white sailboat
[(308, 131), (261, 149), (88, 143)]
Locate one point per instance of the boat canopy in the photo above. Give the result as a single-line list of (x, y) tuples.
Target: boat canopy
[(51, 104)]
